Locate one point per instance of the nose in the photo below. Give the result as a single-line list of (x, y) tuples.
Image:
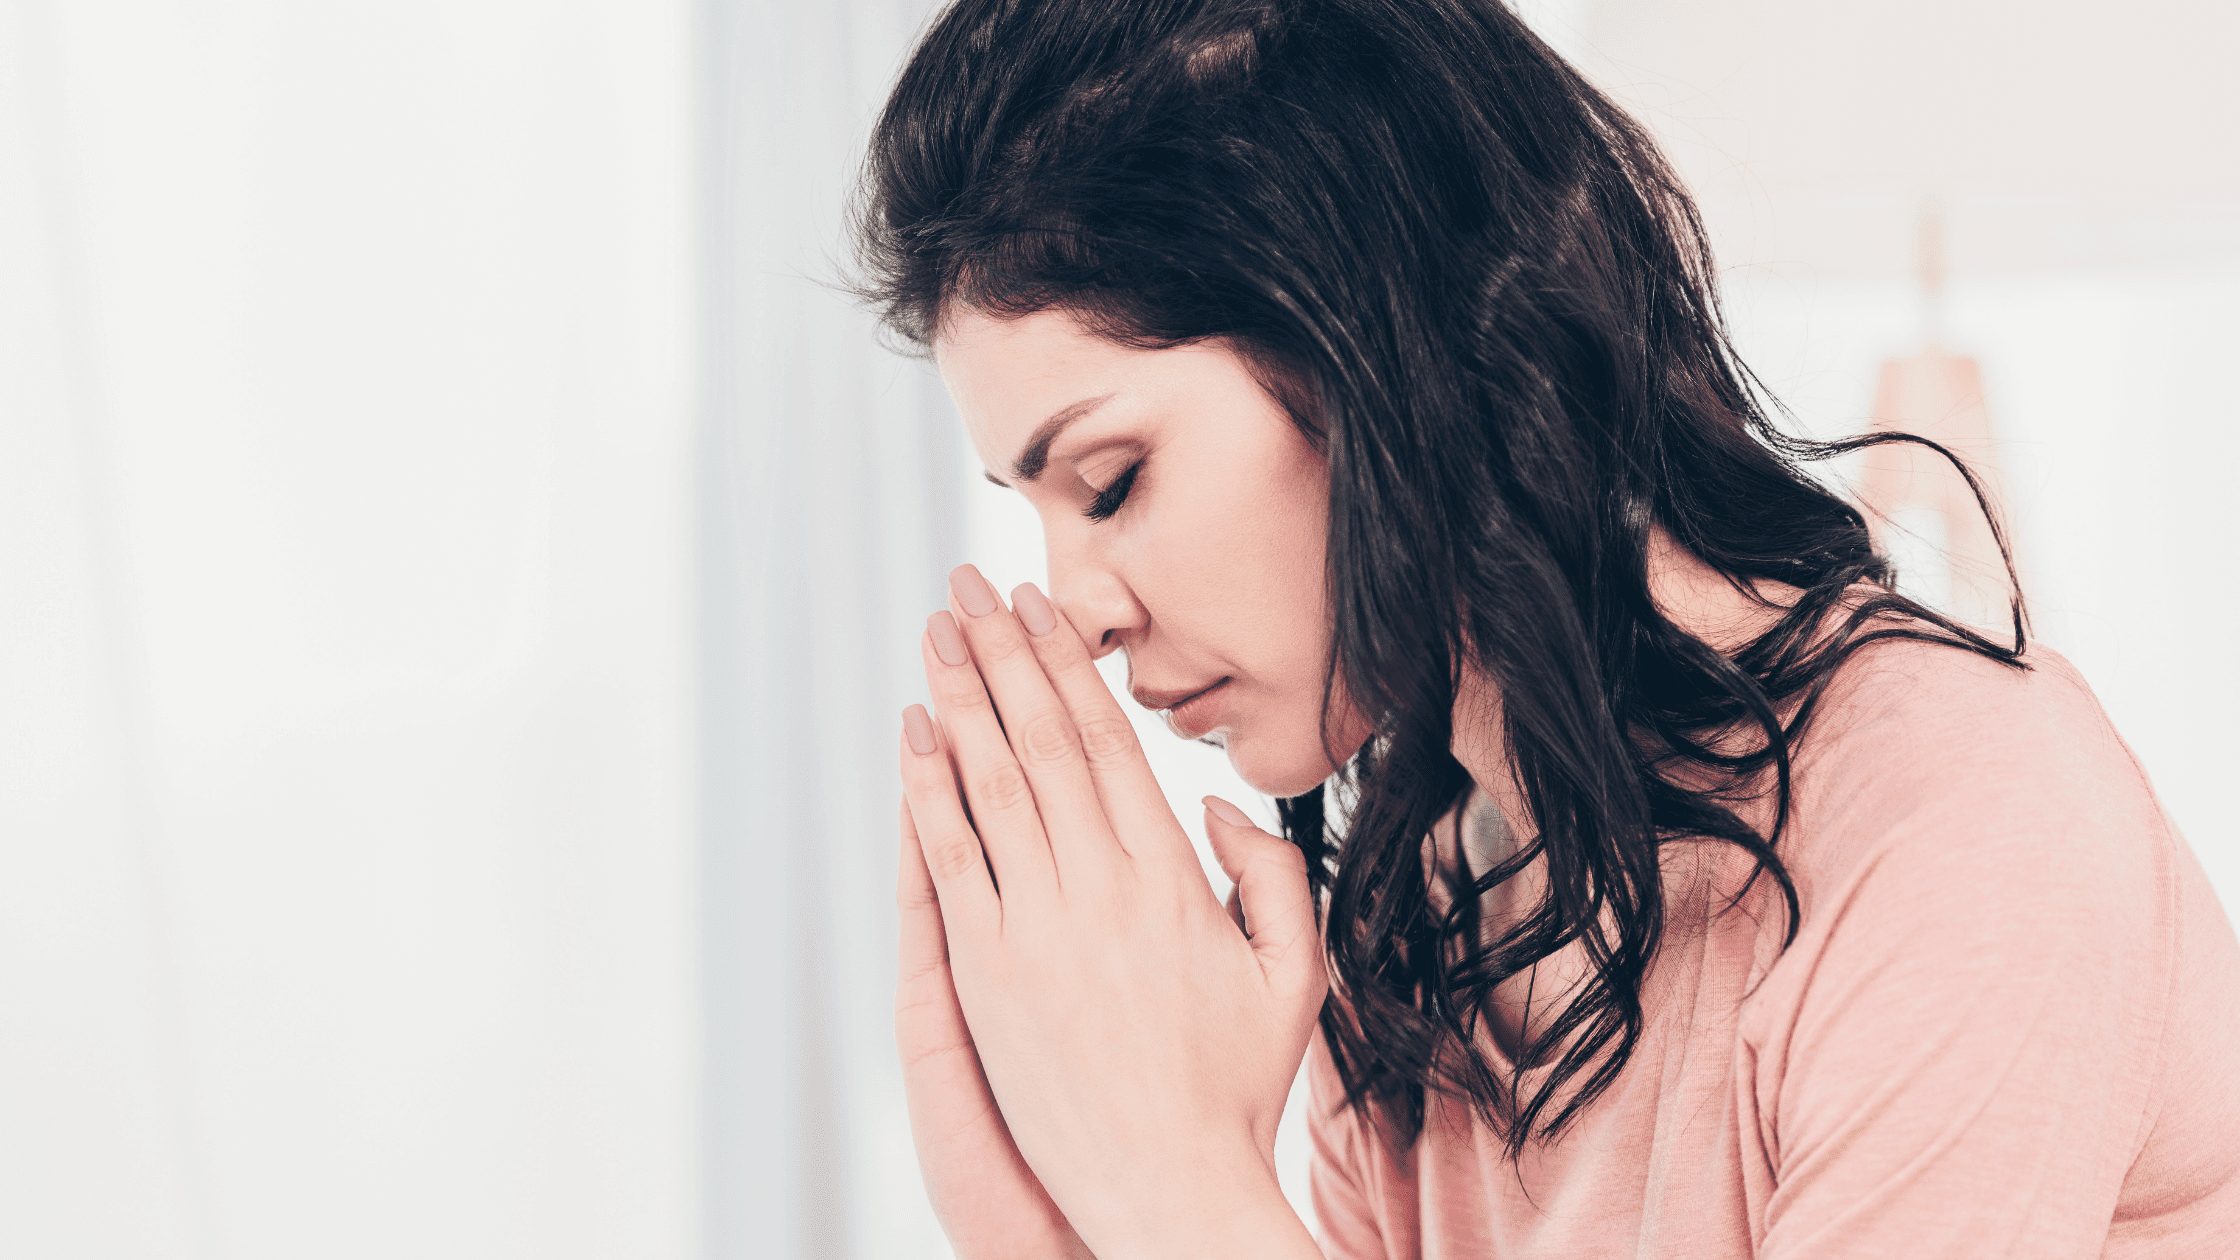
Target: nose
[(1096, 601)]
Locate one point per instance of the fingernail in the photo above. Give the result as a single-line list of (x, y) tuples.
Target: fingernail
[(948, 641), (1227, 813), (973, 593), (1035, 612), (918, 728)]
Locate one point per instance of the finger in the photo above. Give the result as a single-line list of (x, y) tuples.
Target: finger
[(921, 948), (947, 1090), (928, 1021), (1037, 726), (1132, 798), (950, 849), (1273, 893), (1003, 805), (1229, 856), (1228, 853)]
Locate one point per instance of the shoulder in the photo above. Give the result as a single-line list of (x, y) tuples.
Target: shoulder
[(1951, 812), (1942, 755), (1898, 697)]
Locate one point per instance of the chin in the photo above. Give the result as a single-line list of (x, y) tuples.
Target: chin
[(1285, 770)]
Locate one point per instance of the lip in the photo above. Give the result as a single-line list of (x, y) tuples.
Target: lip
[(1196, 714), (1158, 700)]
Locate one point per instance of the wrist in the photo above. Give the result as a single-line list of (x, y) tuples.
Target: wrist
[(1236, 1212)]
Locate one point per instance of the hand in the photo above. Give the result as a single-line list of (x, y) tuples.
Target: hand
[(1140, 1046), (985, 1196)]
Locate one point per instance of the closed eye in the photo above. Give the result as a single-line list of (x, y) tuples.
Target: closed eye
[(1109, 499)]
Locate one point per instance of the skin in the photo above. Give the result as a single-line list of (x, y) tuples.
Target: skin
[(1096, 1056), (1208, 569)]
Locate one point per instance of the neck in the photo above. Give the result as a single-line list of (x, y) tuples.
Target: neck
[(1484, 830), (1691, 594)]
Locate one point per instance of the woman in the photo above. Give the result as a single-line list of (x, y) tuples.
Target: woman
[(1691, 892)]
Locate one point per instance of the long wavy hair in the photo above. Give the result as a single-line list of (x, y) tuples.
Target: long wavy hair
[(1481, 293)]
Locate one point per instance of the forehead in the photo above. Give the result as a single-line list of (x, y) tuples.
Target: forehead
[(1007, 375)]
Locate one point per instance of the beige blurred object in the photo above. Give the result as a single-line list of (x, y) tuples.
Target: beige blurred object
[(2055, 133), (1922, 512)]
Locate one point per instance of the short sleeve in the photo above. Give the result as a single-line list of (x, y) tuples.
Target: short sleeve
[(1955, 1057)]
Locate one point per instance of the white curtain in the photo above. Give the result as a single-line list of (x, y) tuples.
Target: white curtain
[(830, 477), (460, 573), (346, 727)]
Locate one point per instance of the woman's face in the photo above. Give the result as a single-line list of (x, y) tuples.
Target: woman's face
[(1184, 516)]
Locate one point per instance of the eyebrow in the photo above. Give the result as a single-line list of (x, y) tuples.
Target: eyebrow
[(1036, 456)]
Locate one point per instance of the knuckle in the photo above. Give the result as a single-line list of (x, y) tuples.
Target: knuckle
[(925, 779), (1107, 741), (920, 984), (952, 856), (1005, 787), (960, 694), (1048, 741), (1002, 647), (919, 1055), (925, 984)]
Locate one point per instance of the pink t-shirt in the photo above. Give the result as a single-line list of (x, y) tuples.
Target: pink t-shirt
[(2009, 1025)]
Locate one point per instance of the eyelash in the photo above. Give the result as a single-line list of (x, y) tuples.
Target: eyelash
[(1109, 499)]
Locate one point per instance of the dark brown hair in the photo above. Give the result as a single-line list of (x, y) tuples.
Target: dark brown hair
[(1489, 302)]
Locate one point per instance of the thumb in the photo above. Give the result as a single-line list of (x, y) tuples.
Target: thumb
[(1276, 904), (1224, 824)]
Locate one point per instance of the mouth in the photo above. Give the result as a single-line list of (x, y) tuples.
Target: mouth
[(1195, 714), (1158, 701)]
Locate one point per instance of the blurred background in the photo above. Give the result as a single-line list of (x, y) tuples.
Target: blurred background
[(460, 563)]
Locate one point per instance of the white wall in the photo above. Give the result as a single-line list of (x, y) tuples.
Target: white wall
[(2081, 154), (2119, 438), (345, 742)]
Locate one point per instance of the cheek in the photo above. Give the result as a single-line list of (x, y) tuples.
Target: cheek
[(1256, 553), (1277, 744), (1283, 755)]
